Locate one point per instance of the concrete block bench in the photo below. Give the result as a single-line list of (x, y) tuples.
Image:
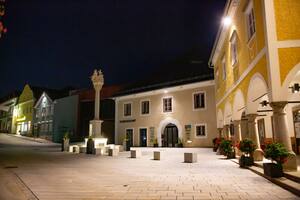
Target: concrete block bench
[(156, 155), (113, 152), (74, 149), (135, 153), (190, 157), (98, 151)]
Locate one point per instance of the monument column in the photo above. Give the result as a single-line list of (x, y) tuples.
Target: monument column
[(258, 154), (95, 124), (281, 132)]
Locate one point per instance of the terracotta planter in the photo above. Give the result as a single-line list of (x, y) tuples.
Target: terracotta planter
[(65, 144), (273, 170)]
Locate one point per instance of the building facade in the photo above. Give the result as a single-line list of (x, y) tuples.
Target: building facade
[(256, 60), (167, 116), (23, 112), (6, 115)]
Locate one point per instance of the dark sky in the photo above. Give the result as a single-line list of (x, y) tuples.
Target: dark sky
[(57, 43)]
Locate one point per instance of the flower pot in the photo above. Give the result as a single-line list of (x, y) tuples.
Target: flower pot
[(273, 170), (245, 161), (90, 146), (155, 145), (65, 144), (230, 155), (180, 145)]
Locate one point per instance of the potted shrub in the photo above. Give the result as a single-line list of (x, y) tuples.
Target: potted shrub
[(227, 148), (155, 143), (179, 144), (216, 143), (90, 146), (65, 142), (247, 147), (278, 154)]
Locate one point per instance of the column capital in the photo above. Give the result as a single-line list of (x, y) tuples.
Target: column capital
[(236, 122), (278, 106), (251, 117)]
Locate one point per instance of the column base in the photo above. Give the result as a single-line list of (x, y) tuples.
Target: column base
[(258, 155), (291, 163), (95, 128)]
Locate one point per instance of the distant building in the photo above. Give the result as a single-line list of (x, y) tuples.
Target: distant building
[(6, 112), (44, 111), (168, 113)]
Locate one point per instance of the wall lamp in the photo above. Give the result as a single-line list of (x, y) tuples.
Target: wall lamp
[(295, 88)]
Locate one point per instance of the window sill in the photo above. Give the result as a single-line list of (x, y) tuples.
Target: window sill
[(251, 39)]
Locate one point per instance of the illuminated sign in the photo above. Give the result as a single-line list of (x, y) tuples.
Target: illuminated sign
[(21, 119)]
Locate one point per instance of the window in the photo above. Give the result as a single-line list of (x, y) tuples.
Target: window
[(250, 20), (127, 109), (167, 104), (233, 48), (199, 100), (200, 130), (145, 107), (224, 68)]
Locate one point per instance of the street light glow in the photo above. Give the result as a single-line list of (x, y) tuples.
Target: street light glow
[(227, 21)]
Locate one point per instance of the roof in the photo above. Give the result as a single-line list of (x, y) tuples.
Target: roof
[(52, 93), (189, 68), (9, 96)]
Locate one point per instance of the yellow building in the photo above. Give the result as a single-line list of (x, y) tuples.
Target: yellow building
[(256, 59), (23, 112)]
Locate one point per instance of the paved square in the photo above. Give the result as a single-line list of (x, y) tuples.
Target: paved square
[(51, 174)]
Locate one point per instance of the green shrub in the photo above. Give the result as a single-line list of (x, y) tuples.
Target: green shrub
[(246, 146), (227, 147), (277, 152)]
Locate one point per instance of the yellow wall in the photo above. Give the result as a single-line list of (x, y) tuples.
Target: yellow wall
[(287, 14), (288, 59), (247, 50)]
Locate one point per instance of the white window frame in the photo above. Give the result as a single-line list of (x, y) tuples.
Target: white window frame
[(172, 104), (250, 11), (200, 124), (141, 107), (131, 109), (193, 100), (233, 49), (224, 72)]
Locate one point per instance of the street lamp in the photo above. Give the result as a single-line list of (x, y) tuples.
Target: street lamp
[(227, 21)]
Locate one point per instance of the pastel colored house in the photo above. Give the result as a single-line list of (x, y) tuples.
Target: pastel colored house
[(256, 61)]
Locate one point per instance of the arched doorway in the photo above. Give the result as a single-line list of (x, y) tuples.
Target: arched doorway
[(170, 136)]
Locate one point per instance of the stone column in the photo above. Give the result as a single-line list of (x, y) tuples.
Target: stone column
[(226, 132), (253, 133), (237, 135), (220, 132), (281, 132), (95, 124)]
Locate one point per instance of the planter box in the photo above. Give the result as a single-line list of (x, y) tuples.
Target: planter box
[(231, 155), (245, 161), (190, 157), (272, 170), (135, 153), (156, 155), (155, 145), (90, 145)]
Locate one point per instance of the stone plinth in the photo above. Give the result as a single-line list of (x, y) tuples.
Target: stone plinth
[(95, 128), (113, 152), (135, 153), (156, 155), (190, 157), (97, 141)]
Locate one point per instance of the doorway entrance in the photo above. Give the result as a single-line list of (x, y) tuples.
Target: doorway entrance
[(170, 136), (143, 137), (129, 139)]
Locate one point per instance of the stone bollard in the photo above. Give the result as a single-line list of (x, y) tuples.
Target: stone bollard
[(190, 157), (112, 152), (156, 155), (135, 153)]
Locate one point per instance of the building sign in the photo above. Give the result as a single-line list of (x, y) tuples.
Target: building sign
[(127, 121), (188, 129), (152, 136)]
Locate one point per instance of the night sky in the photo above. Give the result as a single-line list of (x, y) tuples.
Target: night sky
[(58, 43)]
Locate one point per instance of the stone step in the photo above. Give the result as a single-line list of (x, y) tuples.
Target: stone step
[(284, 182)]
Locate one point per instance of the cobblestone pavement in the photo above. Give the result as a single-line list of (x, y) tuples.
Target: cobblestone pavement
[(51, 174)]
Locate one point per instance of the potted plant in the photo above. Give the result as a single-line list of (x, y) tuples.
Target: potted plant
[(155, 143), (247, 147), (278, 155), (65, 142), (90, 145), (216, 143), (179, 144), (227, 148)]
